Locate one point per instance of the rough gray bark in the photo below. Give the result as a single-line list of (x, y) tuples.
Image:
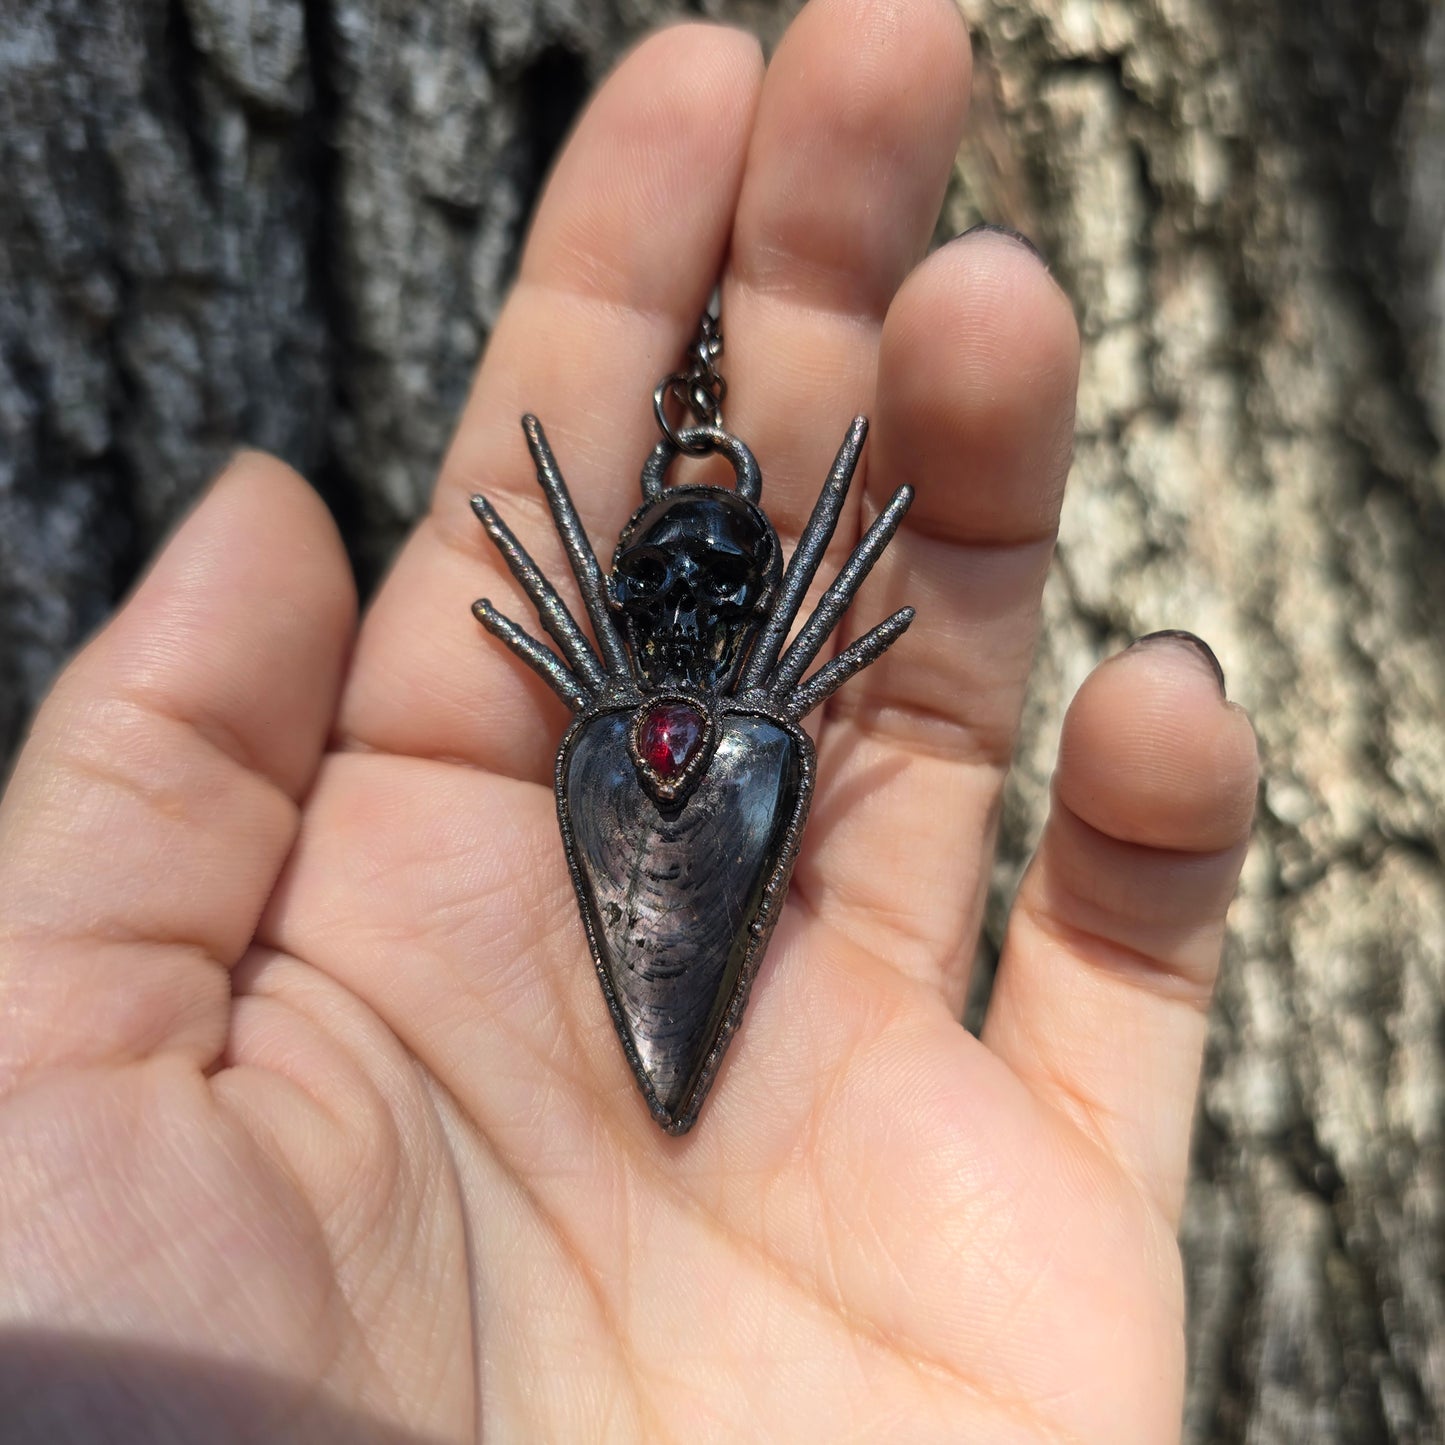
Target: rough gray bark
[(291, 222), (1242, 201)]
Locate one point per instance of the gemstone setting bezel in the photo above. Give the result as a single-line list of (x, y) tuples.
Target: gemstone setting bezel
[(673, 790)]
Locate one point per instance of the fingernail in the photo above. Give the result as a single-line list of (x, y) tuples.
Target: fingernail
[(1178, 636), (993, 229)]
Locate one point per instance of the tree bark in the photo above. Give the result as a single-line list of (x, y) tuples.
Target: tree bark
[(1241, 201), (291, 223)]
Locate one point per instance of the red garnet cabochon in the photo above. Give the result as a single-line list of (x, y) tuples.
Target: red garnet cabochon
[(668, 737)]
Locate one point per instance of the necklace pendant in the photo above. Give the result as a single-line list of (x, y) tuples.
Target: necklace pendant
[(684, 781)]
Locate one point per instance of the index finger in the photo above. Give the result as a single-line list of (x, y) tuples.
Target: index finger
[(622, 258)]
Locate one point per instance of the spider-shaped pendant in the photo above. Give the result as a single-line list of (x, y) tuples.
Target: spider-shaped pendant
[(684, 781)]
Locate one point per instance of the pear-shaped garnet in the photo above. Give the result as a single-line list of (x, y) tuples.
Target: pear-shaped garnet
[(668, 737)]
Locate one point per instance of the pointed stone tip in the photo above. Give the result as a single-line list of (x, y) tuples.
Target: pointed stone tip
[(669, 1091), (673, 1115), (669, 1078)]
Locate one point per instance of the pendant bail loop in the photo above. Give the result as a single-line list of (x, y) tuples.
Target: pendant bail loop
[(701, 441)]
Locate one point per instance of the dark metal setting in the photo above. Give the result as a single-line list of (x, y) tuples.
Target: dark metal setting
[(672, 778), (684, 781)]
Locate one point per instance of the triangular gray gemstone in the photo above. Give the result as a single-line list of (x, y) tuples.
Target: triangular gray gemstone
[(674, 897)]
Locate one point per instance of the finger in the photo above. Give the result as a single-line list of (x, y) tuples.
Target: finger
[(624, 253), (978, 366), (156, 799), (860, 120), (1114, 942)]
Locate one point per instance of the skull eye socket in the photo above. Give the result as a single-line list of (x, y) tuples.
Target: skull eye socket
[(644, 572), (727, 575)]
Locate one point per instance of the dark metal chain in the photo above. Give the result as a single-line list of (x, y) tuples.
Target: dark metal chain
[(700, 390)]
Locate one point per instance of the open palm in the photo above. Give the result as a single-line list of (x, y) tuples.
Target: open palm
[(313, 1124)]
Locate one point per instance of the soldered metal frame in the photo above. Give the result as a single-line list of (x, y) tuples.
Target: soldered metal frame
[(770, 685)]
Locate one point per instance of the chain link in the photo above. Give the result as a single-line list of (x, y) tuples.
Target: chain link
[(700, 390)]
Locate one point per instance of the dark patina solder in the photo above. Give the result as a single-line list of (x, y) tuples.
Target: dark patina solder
[(684, 781)]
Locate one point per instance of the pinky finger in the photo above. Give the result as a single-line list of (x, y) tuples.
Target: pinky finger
[(1115, 939)]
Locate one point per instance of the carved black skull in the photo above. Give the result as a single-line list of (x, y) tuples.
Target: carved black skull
[(693, 575)]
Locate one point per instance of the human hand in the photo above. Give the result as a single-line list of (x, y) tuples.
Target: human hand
[(313, 1124)]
